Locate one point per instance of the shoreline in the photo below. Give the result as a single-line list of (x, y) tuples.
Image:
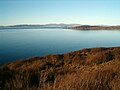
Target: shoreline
[(78, 69), (72, 52)]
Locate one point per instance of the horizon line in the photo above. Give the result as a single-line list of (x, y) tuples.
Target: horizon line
[(61, 23)]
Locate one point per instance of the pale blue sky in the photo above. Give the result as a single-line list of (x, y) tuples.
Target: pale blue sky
[(59, 11)]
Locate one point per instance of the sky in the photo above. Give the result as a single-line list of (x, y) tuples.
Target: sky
[(93, 12)]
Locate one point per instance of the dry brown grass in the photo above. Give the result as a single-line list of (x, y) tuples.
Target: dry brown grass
[(88, 69)]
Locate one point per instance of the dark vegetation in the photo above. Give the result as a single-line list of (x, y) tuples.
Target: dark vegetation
[(87, 27), (87, 69)]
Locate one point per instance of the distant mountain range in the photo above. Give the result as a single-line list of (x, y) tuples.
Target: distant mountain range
[(26, 26), (63, 26)]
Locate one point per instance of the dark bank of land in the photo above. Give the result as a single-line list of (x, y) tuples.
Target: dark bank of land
[(87, 69), (88, 27), (62, 26)]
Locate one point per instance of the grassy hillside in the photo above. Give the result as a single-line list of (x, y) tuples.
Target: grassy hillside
[(87, 69)]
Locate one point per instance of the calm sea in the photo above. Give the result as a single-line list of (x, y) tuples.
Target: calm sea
[(23, 43)]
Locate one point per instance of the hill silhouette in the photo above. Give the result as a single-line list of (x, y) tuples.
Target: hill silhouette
[(88, 27)]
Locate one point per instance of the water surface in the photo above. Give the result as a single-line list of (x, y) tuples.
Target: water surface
[(23, 43)]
